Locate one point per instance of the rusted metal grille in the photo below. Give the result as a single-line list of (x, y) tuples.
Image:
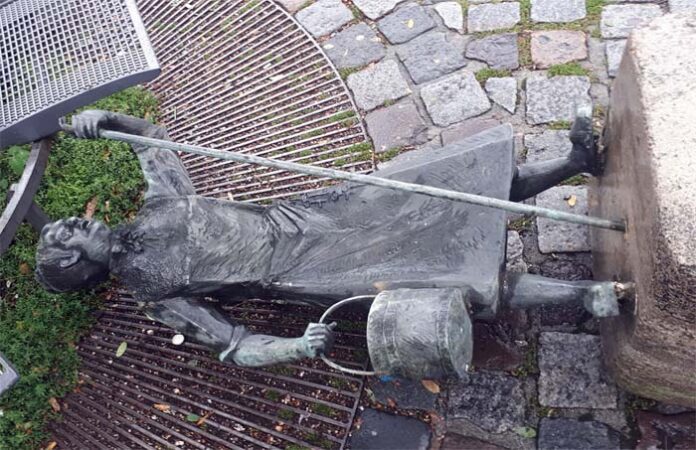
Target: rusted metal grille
[(244, 76), (153, 395)]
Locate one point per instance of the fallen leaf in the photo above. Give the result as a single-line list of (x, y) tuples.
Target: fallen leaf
[(410, 23), (90, 208), (24, 269), (202, 420), (572, 200), (431, 386), (526, 432), (54, 404), (193, 417), (121, 349), (162, 407), (391, 403), (51, 445), (278, 428)]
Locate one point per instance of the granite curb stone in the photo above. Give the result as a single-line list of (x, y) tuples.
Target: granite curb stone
[(381, 82), (493, 16), (395, 126), (618, 20), (454, 98), (405, 23), (499, 51), (354, 47), (558, 11), (324, 17), (571, 374), (557, 47), (555, 99), (430, 56), (557, 236)]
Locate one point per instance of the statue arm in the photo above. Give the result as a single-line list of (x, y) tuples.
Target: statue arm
[(163, 170), (201, 322)]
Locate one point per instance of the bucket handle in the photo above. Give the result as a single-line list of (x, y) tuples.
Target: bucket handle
[(332, 364)]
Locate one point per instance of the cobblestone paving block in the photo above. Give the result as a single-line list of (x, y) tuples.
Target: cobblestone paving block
[(407, 394), (682, 5), (452, 15), (557, 47), (454, 98), (499, 51), (514, 262), (374, 9), (548, 145), (291, 5), (396, 126), (677, 431), (380, 430), (493, 16), (615, 51), (559, 11), (324, 17), (354, 47), (562, 434), (618, 20), (467, 128), (557, 236), (571, 374), (553, 99), (373, 86), (430, 56), (405, 23), (503, 91)]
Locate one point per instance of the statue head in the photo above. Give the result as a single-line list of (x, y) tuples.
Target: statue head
[(73, 254)]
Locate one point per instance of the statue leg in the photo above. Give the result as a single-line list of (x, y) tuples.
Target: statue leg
[(530, 179), (600, 298)]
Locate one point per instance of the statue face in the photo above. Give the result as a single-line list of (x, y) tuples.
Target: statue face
[(89, 239)]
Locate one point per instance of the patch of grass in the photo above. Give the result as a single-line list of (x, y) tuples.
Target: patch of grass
[(286, 414), (576, 180), (343, 73), (594, 9), (306, 4), (296, 447), (523, 223), (322, 409), (484, 74), (316, 439), (281, 370), (38, 330), (560, 125), (338, 383), (341, 116), (389, 154), (524, 45), (571, 68), (529, 366), (251, 4), (357, 14)]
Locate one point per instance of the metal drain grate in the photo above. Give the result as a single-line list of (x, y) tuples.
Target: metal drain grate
[(56, 56), (244, 76), (305, 405)]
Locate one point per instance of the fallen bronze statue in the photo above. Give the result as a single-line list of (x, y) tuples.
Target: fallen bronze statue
[(429, 263)]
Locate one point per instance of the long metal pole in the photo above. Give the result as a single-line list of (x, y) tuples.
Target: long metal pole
[(506, 205)]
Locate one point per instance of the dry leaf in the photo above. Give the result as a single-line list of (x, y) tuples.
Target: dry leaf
[(202, 420), (54, 404), (391, 403), (431, 386), (278, 428), (162, 407), (121, 349), (24, 269), (51, 445), (410, 23), (90, 208), (572, 200)]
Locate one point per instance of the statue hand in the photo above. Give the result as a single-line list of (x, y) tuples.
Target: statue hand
[(87, 123), (318, 338)]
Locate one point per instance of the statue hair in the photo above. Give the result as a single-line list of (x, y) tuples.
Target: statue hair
[(82, 275)]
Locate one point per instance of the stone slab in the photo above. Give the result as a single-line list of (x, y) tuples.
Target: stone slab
[(379, 430), (557, 236), (571, 374), (493, 16), (405, 23), (557, 47), (615, 50), (355, 46), (430, 56), (498, 51), (555, 99), (619, 20), (503, 91), (549, 144), (649, 180), (396, 126), (563, 434), (324, 17), (682, 5), (374, 9), (558, 11), (466, 129), (451, 14), (454, 98), (373, 86), (406, 394)]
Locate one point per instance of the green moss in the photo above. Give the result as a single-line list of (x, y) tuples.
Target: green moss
[(523, 223), (341, 116), (594, 9), (248, 6), (524, 45), (484, 74), (38, 330), (571, 68), (322, 409), (389, 154), (577, 180), (286, 414), (347, 71), (560, 125), (338, 383), (529, 366)]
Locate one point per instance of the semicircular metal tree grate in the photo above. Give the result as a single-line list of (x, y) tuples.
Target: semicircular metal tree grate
[(245, 76)]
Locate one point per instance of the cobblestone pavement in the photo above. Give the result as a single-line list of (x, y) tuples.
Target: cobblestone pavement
[(426, 73)]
